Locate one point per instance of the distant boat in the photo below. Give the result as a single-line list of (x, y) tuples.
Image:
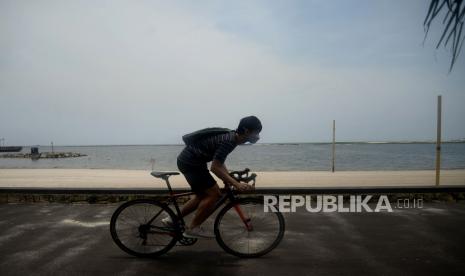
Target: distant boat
[(10, 149)]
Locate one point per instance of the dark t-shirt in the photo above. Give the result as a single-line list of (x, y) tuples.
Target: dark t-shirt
[(214, 147)]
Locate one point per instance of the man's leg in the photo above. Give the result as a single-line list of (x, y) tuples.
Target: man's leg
[(190, 206), (206, 205)]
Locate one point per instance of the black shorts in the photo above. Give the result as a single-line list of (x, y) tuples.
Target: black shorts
[(198, 176)]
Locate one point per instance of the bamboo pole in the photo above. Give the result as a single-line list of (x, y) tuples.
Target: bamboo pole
[(334, 144), (438, 142)]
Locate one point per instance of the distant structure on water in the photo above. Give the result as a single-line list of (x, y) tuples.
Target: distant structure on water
[(8, 149)]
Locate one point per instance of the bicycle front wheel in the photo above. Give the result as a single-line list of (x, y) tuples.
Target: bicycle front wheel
[(244, 229), (136, 227)]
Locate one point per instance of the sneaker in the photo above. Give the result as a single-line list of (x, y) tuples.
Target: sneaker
[(198, 232), (167, 222)]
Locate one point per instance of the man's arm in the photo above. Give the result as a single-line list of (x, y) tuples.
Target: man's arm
[(220, 170)]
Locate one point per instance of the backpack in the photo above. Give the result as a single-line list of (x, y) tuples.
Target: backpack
[(194, 137)]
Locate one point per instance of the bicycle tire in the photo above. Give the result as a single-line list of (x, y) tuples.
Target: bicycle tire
[(116, 218), (221, 226)]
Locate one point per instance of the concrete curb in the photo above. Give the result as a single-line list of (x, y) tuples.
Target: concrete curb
[(261, 190), (105, 195)]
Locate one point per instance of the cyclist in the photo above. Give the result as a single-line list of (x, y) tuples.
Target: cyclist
[(192, 162)]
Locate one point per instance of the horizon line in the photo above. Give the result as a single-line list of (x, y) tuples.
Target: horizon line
[(270, 143)]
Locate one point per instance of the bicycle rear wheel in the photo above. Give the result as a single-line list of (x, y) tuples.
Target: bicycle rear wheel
[(133, 232), (261, 233)]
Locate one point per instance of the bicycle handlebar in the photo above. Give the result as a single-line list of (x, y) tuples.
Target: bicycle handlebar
[(243, 176)]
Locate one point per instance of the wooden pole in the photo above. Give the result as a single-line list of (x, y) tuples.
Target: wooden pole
[(152, 161), (438, 143), (334, 144)]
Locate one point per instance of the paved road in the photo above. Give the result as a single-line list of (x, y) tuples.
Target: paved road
[(60, 239)]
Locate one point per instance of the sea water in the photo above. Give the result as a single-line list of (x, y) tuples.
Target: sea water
[(259, 157)]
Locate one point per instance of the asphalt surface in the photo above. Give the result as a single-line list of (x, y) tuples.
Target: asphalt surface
[(74, 239)]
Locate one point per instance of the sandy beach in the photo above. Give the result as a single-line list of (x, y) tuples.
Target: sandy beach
[(96, 178)]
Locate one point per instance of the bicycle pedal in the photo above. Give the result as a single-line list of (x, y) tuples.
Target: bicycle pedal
[(187, 241)]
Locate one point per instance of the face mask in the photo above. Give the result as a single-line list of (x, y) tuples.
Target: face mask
[(253, 139)]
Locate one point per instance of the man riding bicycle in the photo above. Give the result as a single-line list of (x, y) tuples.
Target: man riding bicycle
[(192, 162)]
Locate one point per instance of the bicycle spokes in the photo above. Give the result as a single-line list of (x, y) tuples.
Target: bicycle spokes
[(138, 229), (246, 220), (236, 235)]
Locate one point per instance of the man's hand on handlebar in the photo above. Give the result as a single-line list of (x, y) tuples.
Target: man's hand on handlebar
[(242, 187), (233, 178)]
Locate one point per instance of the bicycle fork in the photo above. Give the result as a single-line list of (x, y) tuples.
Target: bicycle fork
[(245, 220)]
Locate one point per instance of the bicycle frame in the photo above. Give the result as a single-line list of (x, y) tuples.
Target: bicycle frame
[(227, 193)]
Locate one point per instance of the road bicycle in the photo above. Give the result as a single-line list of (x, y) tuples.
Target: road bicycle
[(242, 227)]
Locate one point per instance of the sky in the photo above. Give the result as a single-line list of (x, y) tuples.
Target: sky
[(147, 72)]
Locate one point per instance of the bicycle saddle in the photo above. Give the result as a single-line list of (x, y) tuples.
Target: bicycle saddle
[(163, 174)]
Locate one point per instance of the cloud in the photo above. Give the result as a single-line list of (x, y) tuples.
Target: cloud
[(147, 72)]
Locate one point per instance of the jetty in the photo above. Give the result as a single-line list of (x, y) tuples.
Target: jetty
[(43, 155)]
